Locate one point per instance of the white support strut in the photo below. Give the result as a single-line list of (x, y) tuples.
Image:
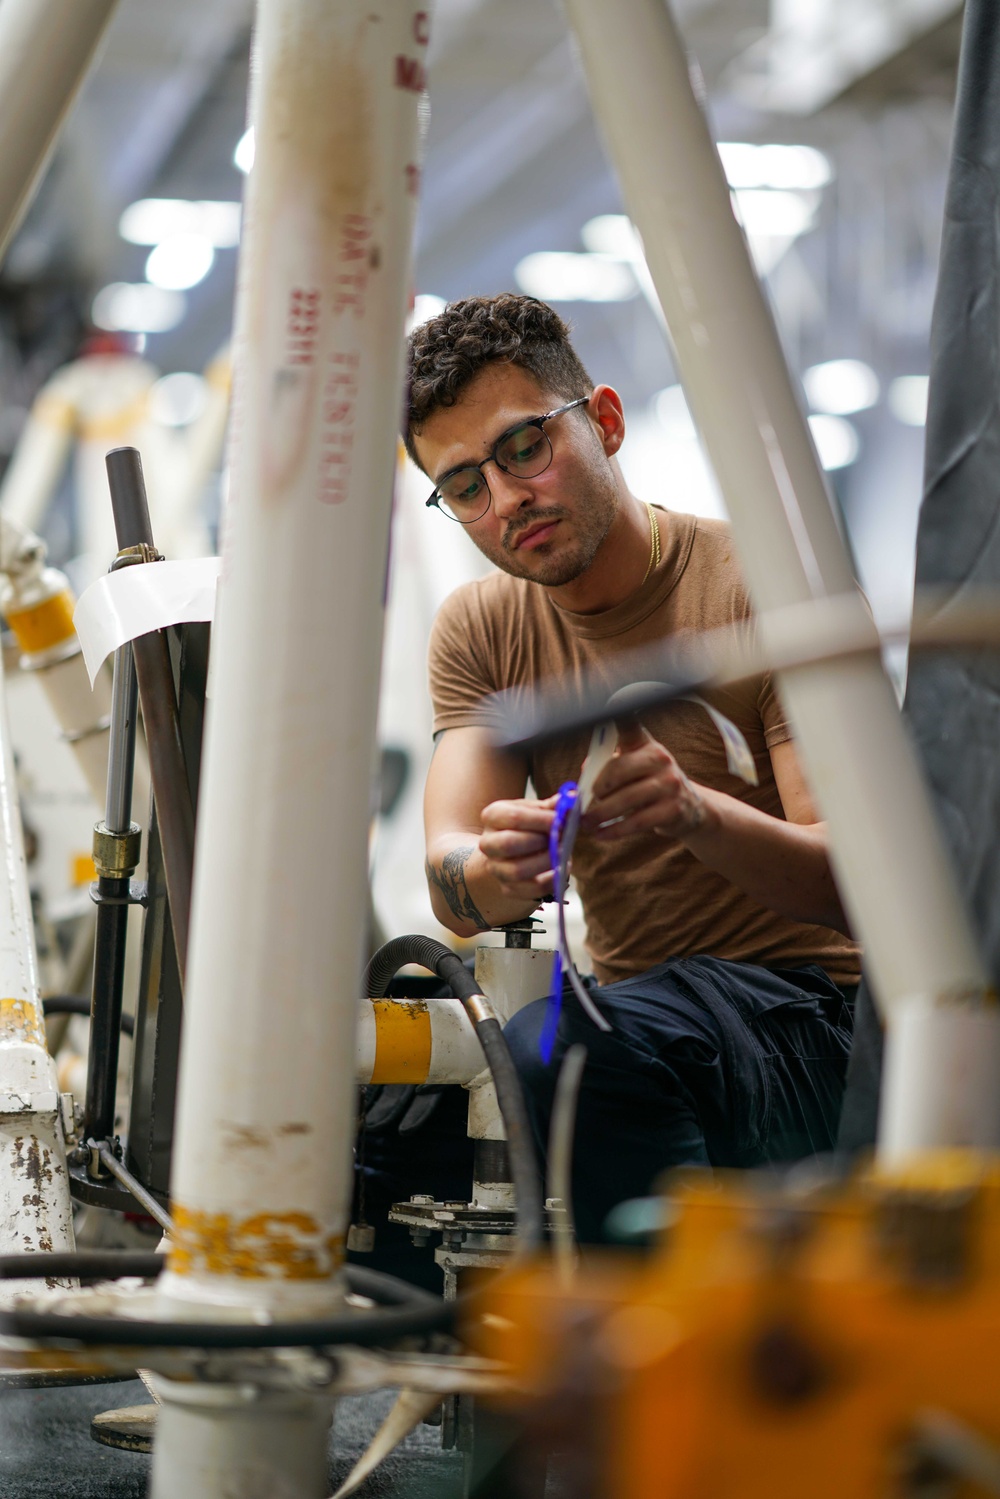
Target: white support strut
[(35, 1208), (887, 852), (262, 1171), (46, 48)]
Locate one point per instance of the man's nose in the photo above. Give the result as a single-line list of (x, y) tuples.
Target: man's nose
[(510, 494)]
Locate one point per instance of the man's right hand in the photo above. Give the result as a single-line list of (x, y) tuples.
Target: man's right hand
[(515, 845)]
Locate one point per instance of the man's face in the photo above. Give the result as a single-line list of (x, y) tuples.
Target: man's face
[(547, 529)]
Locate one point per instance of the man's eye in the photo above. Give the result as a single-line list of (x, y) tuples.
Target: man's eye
[(522, 447), (464, 487)]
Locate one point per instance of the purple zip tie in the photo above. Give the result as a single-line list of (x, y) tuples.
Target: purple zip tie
[(565, 802)]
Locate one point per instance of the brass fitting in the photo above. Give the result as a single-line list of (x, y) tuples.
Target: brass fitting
[(117, 854)]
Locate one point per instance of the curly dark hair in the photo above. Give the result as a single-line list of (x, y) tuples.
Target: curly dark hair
[(446, 353)]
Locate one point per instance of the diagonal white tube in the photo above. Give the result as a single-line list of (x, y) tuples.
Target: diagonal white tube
[(46, 48), (887, 851)]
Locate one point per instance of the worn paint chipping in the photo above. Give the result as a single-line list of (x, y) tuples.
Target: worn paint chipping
[(21, 1022), (264, 1246)]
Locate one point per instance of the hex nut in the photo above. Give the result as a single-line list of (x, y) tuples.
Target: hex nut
[(117, 854)]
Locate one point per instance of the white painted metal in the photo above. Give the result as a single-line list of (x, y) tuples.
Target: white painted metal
[(35, 1209), (46, 47), (887, 852), (453, 1050), (939, 1081), (262, 1169), (240, 1440), (510, 977)]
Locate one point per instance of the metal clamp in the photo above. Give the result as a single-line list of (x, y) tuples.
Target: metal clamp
[(116, 855)]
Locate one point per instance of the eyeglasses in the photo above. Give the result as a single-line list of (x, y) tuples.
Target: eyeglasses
[(524, 451)]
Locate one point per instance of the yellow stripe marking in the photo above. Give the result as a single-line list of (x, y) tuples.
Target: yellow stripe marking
[(265, 1246), (402, 1041), (45, 625), (21, 1021)]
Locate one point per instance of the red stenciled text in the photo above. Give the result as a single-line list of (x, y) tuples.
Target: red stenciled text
[(302, 325), (340, 393)]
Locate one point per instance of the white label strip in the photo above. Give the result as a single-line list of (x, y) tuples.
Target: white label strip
[(135, 600)]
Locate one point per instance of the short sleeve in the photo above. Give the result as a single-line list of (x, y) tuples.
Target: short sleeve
[(459, 676), (777, 729)]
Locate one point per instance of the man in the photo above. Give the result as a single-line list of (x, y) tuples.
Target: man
[(714, 927)]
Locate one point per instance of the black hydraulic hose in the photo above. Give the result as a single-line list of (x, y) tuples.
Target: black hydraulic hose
[(112, 1264), (523, 1165), (360, 1329), (76, 1004)]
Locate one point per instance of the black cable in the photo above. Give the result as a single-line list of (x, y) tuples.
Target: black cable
[(523, 1165), (76, 1004), (111, 1264), (360, 1329), (81, 1264)]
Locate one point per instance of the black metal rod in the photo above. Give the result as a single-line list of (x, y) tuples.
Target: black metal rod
[(168, 773), (145, 1199), (106, 1007)]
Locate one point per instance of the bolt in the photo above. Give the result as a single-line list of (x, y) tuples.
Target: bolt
[(419, 1237), (421, 1198), (78, 1156)]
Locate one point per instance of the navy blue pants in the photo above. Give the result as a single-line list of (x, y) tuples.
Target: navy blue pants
[(708, 1063)]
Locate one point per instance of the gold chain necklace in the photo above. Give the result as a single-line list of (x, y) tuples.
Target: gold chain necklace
[(654, 545)]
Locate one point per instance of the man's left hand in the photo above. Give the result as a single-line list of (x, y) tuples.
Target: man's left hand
[(642, 789)]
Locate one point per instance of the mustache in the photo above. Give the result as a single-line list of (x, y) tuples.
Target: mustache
[(537, 517)]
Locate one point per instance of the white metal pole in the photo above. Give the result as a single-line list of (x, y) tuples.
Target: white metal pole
[(35, 1208), (46, 48), (890, 861), (262, 1165)]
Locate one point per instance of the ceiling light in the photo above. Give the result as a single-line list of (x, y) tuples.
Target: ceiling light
[(762, 211), (672, 413), (908, 399), (841, 386), (562, 276), (245, 150), (612, 234), (152, 220), (836, 441), (180, 261), (126, 307), (425, 306), (178, 400), (774, 166)]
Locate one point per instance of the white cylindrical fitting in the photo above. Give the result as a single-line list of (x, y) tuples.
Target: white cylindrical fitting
[(416, 1041), (939, 1082), (262, 1164), (510, 977), (238, 1439), (46, 47), (889, 858)]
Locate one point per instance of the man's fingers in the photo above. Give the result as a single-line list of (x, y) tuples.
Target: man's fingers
[(507, 844), (519, 816)]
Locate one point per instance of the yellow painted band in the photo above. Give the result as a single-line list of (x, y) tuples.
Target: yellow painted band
[(45, 625), (21, 1021), (265, 1246), (53, 411), (115, 423), (402, 1041)]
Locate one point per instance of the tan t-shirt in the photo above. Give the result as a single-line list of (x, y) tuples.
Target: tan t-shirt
[(646, 899)]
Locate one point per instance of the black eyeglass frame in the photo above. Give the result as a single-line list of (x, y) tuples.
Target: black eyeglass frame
[(531, 421)]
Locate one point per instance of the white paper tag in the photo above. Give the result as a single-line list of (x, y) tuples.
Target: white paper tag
[(135, 600)]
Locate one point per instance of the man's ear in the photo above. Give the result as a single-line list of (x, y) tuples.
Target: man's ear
[(606, 409)]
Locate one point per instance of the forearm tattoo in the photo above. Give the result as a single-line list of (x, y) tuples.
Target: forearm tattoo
[(449, 878)]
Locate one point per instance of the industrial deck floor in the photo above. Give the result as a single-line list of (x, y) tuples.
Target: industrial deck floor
[(46, 1450)]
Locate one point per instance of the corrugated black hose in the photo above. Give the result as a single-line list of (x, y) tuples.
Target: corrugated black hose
[(448, 966)]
